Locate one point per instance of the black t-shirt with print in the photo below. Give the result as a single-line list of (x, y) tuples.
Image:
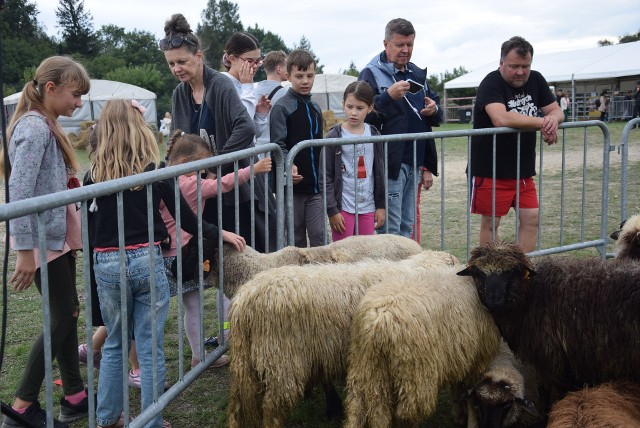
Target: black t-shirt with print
[(526, 100)]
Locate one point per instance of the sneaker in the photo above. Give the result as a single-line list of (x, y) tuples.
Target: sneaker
[(212, 342), (73, 412), (35, 416), (83, 353), (134, 378)]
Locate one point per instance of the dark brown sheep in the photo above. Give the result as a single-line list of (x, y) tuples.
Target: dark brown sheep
[(610, 405), (576, 320)]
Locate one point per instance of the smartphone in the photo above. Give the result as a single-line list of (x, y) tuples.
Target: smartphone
[(414, 87)]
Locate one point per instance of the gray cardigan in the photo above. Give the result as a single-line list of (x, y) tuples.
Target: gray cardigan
[(37, 168), (234, 128), (333, 163)]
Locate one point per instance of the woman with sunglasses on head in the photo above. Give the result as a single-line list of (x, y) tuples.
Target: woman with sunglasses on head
[(207, 100), (242, 60)]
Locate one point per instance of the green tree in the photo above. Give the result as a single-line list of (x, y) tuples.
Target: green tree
[(219, 21), (352, 70), (268, 42), (76, 26), (24, 41), (306, 45), (145, 76), (628, 38), (436, 82)]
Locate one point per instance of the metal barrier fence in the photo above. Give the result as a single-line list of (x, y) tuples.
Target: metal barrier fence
[(84, 195), (573, 181), (623, 151), (598, 241)]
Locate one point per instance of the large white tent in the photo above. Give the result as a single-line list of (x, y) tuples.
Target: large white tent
[(92, 103), (328, 90), (605, 62)]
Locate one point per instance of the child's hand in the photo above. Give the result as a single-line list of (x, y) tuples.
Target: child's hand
[(378, 218), (236, 240), (25, 270), (263, 165), (337, 223), (297, 178), (264, 105)]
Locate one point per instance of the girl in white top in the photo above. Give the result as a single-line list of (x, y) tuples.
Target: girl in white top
[(242, 59)]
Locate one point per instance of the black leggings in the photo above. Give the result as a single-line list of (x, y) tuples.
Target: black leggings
[(64, 307)]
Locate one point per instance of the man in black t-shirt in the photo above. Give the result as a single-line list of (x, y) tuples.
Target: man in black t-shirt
[(517, 97)]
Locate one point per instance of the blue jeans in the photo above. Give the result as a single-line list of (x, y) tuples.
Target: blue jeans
[(402, 202), (138, 304)]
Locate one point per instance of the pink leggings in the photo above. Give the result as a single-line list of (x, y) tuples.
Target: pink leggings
[(365, 225)]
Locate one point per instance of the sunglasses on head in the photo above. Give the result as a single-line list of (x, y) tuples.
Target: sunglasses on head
[(174, 42)]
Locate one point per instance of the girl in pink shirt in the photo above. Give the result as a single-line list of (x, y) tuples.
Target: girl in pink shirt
[(188, 148)]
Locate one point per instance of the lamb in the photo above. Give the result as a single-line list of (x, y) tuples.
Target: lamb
[(615, 404), (291, 328), (411, 336), (576, 321), (240, 267), (506, 394), (628, 238)]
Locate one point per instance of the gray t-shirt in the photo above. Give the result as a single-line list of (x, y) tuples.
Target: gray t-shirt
[(362, 153)]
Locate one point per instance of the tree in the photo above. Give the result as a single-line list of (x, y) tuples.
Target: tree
[(306, 45), (24, 41), (436, 82), (76, 26), (352, 70), (219, 21), (145, 76), (268, 42), (627, 38)]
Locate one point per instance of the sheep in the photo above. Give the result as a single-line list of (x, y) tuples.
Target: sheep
[(240, 267), (628, 238), (291, 328), (412, 335), (613, 405), (576, 321), (506, 395)]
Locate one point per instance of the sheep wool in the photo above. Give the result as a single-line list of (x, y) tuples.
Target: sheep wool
[(609, 405), (291, 328), (240, 267), (412, 335), (506, 395), (629, 239), (576, 320)]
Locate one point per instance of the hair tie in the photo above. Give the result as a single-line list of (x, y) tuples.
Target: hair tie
[(140, 107), (35, 82), (182, 134)]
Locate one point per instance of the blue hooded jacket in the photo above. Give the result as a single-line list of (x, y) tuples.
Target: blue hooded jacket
[(402, 116)]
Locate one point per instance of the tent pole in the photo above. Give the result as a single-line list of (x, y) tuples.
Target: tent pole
[(573, 97)]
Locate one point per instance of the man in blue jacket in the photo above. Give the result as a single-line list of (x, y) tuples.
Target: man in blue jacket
[(401, 107)]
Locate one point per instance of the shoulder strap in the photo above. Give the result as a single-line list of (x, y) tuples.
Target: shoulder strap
[(276, 89)]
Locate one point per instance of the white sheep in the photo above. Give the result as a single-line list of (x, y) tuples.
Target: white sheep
[(291, 328), (240, 267), (412, 335), (506, 395), (628, 238)]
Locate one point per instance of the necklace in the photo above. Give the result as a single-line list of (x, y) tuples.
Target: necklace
[(195, 107)]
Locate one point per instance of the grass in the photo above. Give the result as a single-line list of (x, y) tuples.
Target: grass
[(203, 404)]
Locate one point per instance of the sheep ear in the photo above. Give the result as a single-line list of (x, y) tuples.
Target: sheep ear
[(528, 273), (466, 271), (615, 235), (527, 406)]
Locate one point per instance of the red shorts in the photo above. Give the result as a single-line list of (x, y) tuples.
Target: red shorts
[(505, 195)]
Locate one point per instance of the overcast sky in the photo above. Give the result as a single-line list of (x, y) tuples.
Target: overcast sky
[(448, 33)]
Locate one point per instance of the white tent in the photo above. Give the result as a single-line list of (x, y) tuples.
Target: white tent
[(328, 90), (605, 62), (92, 103)]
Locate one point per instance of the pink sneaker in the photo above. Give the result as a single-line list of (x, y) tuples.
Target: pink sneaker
[(83, 353)]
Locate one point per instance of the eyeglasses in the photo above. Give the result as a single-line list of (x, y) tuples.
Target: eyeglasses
[(174, 43), (253, 62)]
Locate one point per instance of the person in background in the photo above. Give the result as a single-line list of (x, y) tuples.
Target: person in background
[(513, 96), (604, 103), (355, 166), (398, 110), (564, 105), (636, 102), (42, 161), (275, 65), (165, 124), (294, 118), (207, 100)]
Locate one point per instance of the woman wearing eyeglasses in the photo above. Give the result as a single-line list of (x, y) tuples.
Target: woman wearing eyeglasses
[(242, 60), (207, 100)]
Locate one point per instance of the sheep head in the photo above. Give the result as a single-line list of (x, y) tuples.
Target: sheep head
[(496, 268), (628, 238), (498, 404)]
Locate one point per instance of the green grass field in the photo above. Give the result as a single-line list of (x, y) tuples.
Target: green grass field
[(203, 404)]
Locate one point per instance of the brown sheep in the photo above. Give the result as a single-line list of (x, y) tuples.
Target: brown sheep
[(609, 405)]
